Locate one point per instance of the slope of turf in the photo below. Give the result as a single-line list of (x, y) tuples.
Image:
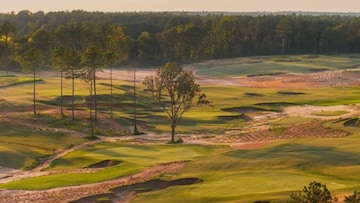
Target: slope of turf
[(134, 158), (20, 147), (270, 65), (269, 173)]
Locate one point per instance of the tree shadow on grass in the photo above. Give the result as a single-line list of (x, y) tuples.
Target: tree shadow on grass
[(301, 156)]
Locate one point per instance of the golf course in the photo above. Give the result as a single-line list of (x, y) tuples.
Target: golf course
[(275, 124)]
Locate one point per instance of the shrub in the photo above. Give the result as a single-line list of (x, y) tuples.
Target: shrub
[(355, 198), (314, 193)]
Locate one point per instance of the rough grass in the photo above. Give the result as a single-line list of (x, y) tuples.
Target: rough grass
[(21, 146)]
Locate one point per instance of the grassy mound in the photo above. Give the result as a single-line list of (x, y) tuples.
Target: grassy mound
[(22, 147), (105, 163)]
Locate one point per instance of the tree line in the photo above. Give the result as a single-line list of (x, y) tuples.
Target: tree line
[(78, 43), (155, 38)]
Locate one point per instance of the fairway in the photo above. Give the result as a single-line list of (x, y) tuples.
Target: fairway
[(276, 124), (267, 174), (273, 65)]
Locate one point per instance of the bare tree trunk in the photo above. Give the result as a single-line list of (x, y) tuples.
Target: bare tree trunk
[(91, 108), (61, 94), (135, 102), (34, 91), (73, 97), (173, 126), (95, 99), (111, 93), (283, 45)]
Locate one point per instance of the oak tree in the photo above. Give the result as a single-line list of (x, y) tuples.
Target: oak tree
[(176, 91)]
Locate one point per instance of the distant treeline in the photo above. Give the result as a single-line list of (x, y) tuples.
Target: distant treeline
[(152, 38)]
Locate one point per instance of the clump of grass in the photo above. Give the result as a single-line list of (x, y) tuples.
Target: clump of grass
[(103, 199), (277, 129), (89, 137), (179, 140)]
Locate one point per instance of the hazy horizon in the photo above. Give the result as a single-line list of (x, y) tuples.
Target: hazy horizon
[(181, 5)]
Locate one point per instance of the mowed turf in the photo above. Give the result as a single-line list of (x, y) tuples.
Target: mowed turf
[(271, 172), (268, 173), (267, 65), (133, 158), (198, 120), (20, 147)]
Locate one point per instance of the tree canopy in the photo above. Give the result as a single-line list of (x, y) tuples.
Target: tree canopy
[(155, 38), (314, 193), (175, 90)]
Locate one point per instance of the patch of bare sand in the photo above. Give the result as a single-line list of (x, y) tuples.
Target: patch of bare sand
[(291, 80), (309, 111), (7, 172), (305, 80), (126, 75)]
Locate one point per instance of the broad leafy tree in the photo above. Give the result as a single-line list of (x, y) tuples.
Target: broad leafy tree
[(7, 32), (284, 30), (42, 41), (176, 91), (148, 48)]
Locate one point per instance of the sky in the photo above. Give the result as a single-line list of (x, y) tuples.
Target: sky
[(181, 5)]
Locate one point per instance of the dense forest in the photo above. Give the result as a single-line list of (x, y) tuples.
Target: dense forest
[(148, 38)]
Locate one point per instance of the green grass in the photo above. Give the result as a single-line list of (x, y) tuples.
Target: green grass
[(143, 155), (7, 81), (134, 159), (197, 120), (269, 173), (20, 146), (268, 65), (71, 179), (329, 113), (291, 120)]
